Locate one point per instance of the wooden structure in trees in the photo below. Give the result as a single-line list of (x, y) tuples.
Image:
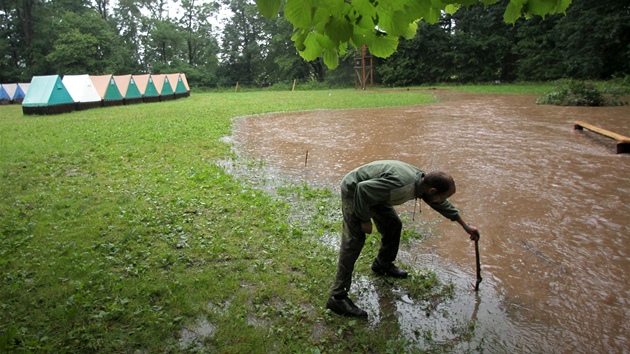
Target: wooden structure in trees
[(363, 67)]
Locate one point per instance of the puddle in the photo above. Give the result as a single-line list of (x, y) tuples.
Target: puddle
[(194, 337)]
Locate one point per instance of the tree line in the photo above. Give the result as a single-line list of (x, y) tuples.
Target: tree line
[(473, 44)]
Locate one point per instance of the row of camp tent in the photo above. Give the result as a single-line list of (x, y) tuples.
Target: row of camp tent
[(52, 94), (13, 93)]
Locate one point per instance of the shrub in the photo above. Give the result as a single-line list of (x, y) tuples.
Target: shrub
[(619, 90), (573, 93)]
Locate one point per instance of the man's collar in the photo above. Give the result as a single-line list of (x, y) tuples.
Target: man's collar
[(418, 186)]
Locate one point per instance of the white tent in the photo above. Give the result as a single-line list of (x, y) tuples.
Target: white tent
[(24, 86), (10, 88), (82, 91)]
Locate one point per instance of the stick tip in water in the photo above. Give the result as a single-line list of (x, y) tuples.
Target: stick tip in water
[(476, 285)]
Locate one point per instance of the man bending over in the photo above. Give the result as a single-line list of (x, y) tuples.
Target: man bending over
[(369, 193)]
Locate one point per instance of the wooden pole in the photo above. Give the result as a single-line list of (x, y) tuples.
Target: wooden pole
[(363, 76), (371, 72), (293, 88), (236, 89)]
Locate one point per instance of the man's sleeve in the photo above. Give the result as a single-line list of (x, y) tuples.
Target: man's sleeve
[(446, 209)]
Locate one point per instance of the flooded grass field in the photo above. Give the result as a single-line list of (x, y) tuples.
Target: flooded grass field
[(551, 203)]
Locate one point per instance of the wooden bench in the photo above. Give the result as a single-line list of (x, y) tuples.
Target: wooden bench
[(623, 142)]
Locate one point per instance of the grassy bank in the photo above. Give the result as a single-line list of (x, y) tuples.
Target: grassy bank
[(120, 233), (523, 89)]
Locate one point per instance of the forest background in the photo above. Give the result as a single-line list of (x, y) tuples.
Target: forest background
[(220, 43)]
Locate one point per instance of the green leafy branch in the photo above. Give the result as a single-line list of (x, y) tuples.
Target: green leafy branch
[(326, 27)]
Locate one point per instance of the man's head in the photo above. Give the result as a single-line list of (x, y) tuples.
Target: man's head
[(437, 187)]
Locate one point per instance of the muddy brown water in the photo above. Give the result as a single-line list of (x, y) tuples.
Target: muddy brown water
[(552, 205)]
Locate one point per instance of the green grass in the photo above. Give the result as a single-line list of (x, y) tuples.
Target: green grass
[(523, 88), (617, 88), (118, 231)]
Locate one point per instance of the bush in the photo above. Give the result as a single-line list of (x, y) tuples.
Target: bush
[(619, 89), (578, 93), (573, 93)]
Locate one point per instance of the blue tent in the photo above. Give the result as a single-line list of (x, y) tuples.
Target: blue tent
[(20, 92), (4, 95), (16, 92)]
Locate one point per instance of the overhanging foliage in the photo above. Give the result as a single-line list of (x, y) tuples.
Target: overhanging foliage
[(326, 27)]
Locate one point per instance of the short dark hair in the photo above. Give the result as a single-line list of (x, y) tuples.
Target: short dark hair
[(441, 181)]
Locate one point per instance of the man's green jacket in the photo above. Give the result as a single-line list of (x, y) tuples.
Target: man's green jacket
[(387, 182)]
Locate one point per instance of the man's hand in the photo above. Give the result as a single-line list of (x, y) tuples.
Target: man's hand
[(472, 231), (366, 227)]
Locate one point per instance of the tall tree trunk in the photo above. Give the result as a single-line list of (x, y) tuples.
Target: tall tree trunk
[(24, 9), (318, 69), (191, 56), (101, 7)]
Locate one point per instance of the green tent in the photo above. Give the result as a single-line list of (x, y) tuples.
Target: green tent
[(167, 89), (47, 95), (128, 88), (147, 88), (178, 85), (107, 89), (163, 86)]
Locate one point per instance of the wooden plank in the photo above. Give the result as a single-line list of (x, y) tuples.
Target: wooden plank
[(620, 138), (623, 142)]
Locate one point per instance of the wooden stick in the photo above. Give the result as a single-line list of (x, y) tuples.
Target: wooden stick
[(306, 159), (479, 278), (293, 89)]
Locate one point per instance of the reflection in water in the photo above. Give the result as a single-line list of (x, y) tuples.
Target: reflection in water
[(552, 205)]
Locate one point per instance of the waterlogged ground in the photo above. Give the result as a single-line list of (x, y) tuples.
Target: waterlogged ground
[(442, 323), (552, 205)]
